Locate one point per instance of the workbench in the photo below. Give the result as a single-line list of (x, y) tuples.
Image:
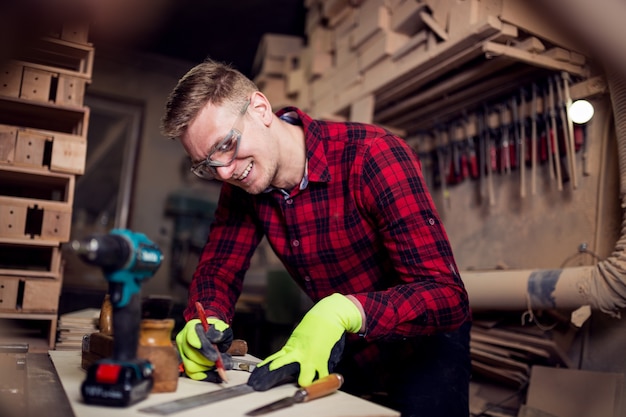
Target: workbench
[(339, 404)]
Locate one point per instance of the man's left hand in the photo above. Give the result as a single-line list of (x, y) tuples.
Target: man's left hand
[(314, 347)]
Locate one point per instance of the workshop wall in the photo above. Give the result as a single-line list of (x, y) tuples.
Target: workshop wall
[(541, 230), (157, 169)]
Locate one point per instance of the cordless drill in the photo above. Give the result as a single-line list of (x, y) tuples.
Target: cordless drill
[(126, 259)]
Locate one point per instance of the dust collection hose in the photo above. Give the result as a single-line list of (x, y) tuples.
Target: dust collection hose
[(602, 286)]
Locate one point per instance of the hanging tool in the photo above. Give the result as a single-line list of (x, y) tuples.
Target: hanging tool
[(547, 131), (456, 154), (126, 258), (486, 152), (219, 365), (516, 147), (553, 137), (505, 155), (320, 388), (472, 159), (442, 162), (533, 140), (567, 102), (580, 136), (568, 142), (522, 150)]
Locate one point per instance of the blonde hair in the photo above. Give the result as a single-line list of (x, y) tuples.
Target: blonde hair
[(209, 82)]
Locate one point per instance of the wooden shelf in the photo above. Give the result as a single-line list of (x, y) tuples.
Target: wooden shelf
[(31, 329)]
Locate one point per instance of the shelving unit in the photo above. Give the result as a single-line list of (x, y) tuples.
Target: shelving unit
[(43, 145)]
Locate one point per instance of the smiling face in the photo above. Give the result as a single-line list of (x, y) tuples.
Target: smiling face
[(255, 163)]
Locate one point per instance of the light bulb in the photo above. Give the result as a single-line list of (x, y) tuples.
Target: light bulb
[(580, 111)]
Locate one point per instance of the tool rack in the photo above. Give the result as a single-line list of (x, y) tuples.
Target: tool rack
[(43, 146), (425, 69)]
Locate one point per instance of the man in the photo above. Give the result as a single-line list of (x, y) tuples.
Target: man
[(345, 208)]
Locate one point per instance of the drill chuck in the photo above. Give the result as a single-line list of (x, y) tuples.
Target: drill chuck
[(109, 252)]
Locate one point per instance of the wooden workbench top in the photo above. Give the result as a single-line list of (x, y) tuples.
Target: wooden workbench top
[(339, 404)]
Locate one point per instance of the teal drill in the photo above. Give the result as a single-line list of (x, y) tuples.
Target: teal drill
[(126, 258)]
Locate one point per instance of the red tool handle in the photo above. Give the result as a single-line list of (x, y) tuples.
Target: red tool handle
[(221, 371)]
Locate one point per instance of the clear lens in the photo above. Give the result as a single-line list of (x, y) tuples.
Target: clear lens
[(204, 171), (225, 152)]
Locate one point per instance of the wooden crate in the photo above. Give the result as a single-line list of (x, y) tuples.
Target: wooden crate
[(70, 90), (34, 221), (35, 186), (36, 84), (77, 32), (58, 55), (373, 16), (42, 149), (40, 83), (273, 51), (29, 295), (30, 258), (44, 116), (8, 138), (10, 79)]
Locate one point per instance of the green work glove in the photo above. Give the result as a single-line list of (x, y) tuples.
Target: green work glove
[(314, 347), (197, 347)]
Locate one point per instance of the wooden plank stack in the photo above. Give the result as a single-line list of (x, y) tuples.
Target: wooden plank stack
[(505, 352), (396, 58), (43, 144)]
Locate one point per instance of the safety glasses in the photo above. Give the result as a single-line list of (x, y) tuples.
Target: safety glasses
[(224, 153)]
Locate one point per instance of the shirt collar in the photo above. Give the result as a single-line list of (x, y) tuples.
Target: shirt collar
[(315, 133), (293, 118)]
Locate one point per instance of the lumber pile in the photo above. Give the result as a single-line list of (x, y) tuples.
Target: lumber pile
[(504, 352), (360, 57), (73, 326)]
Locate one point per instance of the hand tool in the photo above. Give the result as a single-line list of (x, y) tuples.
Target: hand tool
[(489, 155), (320, 388), (175, 406), (219, 365), (441, 162), (567, 120), (477, 122), (515, 150), (548, 132), (565, 127), (456, 173), (505, 155), (533, 140), (522, 151), (553, 137), (580, 136), (472, 160), (126, 258)]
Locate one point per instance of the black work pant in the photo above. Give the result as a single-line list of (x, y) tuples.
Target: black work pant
[(432, 381)]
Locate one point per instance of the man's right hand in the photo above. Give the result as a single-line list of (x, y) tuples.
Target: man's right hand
[(197, 347)]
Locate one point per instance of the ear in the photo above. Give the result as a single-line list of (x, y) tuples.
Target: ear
[(260, 105)]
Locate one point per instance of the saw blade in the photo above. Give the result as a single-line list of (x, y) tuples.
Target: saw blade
[(198, 400)]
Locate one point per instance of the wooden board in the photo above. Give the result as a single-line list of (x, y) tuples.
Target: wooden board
[(339, 404)]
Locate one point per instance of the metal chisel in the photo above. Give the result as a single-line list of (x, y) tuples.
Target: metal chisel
[(320, 388)]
